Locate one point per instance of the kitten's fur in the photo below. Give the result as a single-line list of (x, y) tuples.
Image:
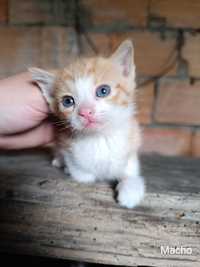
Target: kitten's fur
[(107, 149)]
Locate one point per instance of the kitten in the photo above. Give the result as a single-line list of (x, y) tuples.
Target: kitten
[(93, 97)]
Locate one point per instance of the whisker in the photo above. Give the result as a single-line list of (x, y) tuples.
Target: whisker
[(60, 124), (58, 121)]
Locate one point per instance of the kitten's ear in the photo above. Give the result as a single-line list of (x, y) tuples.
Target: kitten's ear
[(45, 80), (123, 57)]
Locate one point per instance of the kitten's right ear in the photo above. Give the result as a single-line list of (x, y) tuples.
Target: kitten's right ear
[(45, 80), (123, 57)]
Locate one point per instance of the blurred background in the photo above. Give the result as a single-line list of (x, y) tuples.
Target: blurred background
[(166, 36)]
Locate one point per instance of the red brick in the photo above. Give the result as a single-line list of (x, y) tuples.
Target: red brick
[(178, 102), (115, 12), (41, 12), (177, 13), (144, 102), (196, 144), (151, 52), (3, 10), (101, 42), (170, 142), (191, 53), (22, 47)]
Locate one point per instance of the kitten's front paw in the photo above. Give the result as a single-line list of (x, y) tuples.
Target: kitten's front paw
[(57, 162), (130, 193)]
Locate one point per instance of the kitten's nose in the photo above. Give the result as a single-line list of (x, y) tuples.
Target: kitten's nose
[(86, 112)]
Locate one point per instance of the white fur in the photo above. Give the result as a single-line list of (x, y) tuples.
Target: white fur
[(103, 157), (84, 86)]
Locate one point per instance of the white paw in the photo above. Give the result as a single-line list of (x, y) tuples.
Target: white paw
[(130, 193), (57, 162), (80, 175)]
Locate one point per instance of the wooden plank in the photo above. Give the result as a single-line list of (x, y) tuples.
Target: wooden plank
[(44, 213)]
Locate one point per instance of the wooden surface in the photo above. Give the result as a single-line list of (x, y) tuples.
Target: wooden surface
[(44, 213)]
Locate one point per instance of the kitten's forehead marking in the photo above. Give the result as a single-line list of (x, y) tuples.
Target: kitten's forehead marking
[(85, 88)]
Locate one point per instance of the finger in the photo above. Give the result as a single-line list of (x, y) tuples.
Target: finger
[(22, 105), (39, 136)]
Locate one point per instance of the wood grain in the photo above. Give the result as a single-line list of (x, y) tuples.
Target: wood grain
[(44, 213)]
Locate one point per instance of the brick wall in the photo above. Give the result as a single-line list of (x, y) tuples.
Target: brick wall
[(166, 36)]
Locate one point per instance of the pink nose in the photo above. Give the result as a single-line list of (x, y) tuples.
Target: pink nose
[(86, 112)]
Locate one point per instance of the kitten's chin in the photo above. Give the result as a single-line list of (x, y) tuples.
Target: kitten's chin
[(89, 127), (92, 127)]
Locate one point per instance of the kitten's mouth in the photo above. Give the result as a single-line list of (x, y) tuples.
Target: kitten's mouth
[(91, 124)]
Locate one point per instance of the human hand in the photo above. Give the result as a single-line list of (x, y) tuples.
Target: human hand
[(23, 114)]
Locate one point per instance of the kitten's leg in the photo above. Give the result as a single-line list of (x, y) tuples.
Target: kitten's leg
[(58, 160), (78, 174), (82, 176), (131, 186)]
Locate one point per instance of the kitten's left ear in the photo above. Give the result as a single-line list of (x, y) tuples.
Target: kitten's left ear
[(123, 57), (45, 80)]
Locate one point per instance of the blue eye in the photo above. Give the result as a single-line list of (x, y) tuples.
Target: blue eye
[(68, 101), (103, 90)]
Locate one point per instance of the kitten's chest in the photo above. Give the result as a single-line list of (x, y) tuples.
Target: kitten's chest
[(100, 155)]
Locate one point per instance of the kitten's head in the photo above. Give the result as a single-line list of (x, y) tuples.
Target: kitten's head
[(92, 94)]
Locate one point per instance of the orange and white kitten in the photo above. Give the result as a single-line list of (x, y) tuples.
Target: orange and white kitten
[(93, 97)]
